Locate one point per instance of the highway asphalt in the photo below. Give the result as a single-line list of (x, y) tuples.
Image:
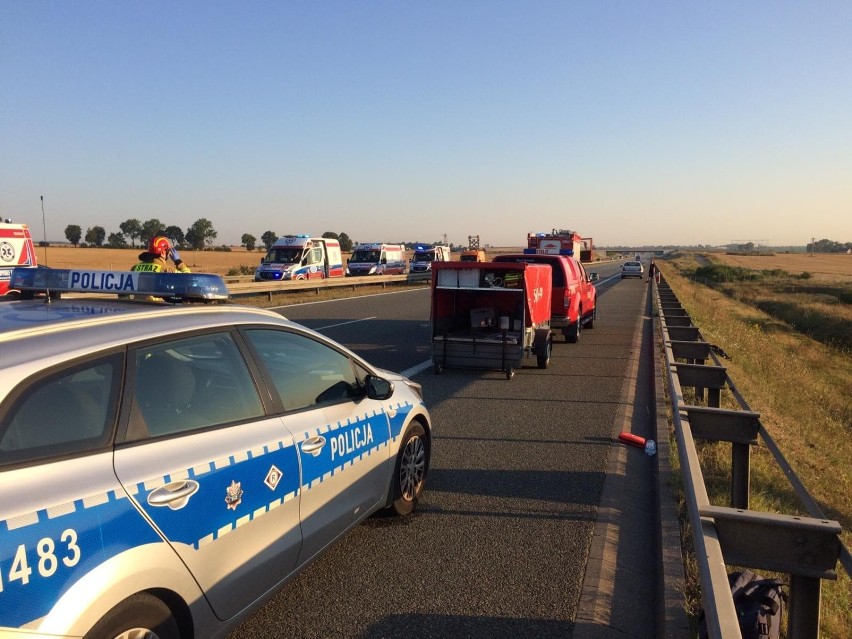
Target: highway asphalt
[(536, 522)]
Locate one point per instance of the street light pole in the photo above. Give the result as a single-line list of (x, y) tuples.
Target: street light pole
[(44, 230)]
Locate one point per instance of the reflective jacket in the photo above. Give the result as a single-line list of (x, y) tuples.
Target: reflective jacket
[(153, 263)]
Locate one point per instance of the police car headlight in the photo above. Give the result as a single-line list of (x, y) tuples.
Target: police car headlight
[(416, 388)]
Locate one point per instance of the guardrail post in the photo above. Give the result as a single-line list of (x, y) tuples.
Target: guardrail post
[(805, 548), (678, 320), (692, 352), (683, 333), (803, 617), (710, 377), (740, 475), (736, 426)]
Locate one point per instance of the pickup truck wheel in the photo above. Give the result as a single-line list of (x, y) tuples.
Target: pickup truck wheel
[(573, 335), (591, 321)]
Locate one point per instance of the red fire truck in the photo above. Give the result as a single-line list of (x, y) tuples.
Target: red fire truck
[(561, 242)]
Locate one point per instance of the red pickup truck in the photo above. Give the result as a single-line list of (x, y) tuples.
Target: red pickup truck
[(574, 301)]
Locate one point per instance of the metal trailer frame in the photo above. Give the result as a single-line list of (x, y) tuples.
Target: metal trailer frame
[(489, 315)]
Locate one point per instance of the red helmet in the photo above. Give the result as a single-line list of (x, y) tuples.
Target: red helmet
[(159, 245)]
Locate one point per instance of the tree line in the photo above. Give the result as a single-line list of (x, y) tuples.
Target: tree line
[(198, 236), (829, 246)]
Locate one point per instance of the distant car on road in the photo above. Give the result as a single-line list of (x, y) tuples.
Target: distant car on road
[(164, 468), (632, 269)]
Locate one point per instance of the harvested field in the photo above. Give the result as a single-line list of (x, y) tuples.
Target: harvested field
[(219, 262), (832, 266)]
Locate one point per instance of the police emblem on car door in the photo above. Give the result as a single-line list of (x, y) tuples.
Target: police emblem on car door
[(209, 449)]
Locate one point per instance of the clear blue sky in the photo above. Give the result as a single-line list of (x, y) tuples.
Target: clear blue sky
[(631, 122)]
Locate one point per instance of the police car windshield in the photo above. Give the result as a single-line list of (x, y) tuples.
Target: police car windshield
[(284, 255), (365, 256), (424, 256)]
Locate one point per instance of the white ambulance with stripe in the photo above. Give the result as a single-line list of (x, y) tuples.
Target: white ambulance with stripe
[(16, 250), (377, 259), (301, 257)]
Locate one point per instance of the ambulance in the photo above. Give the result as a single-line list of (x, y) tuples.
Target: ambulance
[(16, 250), (301, 257), (421, 261), (377, 259)]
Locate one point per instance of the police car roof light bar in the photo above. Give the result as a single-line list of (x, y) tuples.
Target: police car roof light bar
[(174, 287)]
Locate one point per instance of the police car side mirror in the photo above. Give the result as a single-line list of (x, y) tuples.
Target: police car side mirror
[(378, 387)]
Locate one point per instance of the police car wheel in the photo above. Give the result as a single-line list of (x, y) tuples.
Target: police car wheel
[(409, 476), (141, 616)]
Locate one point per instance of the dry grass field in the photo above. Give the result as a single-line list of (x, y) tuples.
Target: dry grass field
[(219, 262), (812, 294), (832, 266), (789, 356)]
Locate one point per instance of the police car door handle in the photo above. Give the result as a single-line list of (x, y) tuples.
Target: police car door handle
[(175, 494), (313, 445)]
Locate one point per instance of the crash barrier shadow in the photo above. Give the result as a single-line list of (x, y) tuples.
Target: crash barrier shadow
[(806, 548)]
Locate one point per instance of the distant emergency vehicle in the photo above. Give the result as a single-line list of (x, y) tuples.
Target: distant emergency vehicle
[(560, 242), (16, 249), (301, 257), (421, 261), (472, 255), (377, 259)]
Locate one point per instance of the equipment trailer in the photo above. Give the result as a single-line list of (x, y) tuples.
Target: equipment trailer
[(490, 316)]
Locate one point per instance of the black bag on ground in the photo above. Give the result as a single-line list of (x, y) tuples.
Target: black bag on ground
[(759, 603)]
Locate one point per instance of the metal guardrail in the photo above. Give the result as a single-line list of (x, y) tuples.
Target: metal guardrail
[(245, 286), (238, 287), (806, 548)]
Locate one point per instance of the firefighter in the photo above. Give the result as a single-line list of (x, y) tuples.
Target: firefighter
[(652, 272), (154, 259)]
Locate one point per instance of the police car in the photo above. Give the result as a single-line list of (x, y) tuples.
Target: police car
[(165, 467)]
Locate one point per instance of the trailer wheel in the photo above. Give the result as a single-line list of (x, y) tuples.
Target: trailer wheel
[(510, 373), (437, 368), (543, 346)]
